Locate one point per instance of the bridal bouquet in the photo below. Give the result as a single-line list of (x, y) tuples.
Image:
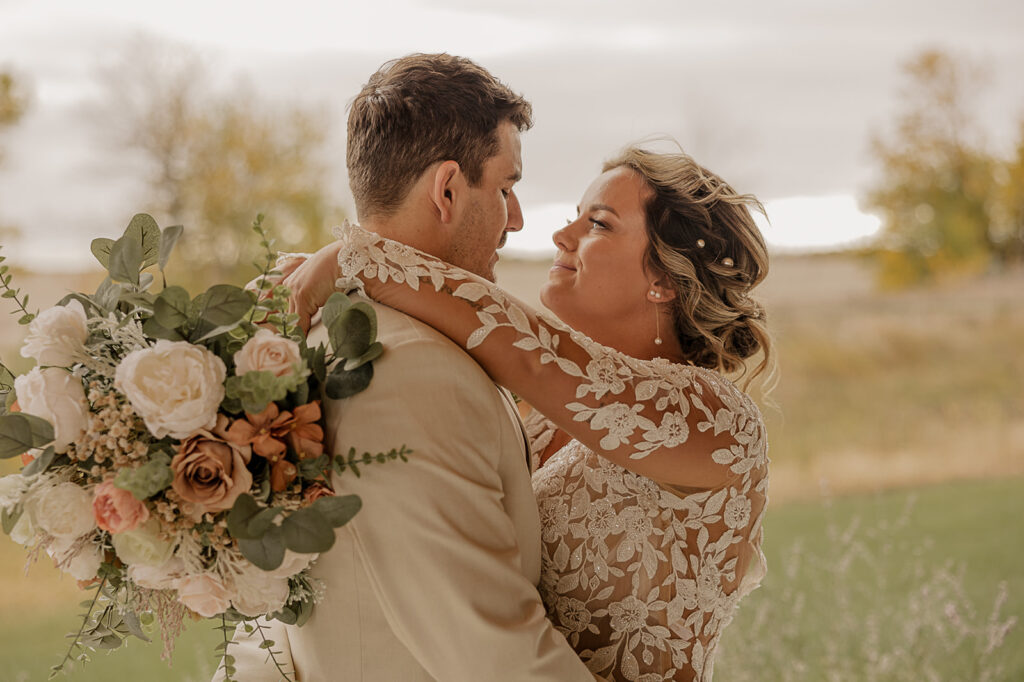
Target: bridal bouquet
[(172, 446)]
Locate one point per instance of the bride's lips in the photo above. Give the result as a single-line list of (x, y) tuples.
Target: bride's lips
[(562, 266)]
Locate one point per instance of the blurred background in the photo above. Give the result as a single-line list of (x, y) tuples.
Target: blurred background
[(886, 140)]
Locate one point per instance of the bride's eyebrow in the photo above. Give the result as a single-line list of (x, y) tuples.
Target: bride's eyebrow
[(604, 207)]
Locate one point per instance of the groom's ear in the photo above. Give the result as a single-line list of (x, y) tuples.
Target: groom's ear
[(446, 189)]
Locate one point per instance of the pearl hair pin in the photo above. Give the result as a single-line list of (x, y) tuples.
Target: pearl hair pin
[(727, 262)]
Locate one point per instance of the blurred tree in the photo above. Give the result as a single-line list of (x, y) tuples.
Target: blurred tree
[(219, 157), (1008, 218), (13, 103), (937, 190)]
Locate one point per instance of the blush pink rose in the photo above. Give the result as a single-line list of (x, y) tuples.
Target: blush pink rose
[(204, 593), (117, 510), (268, 352)]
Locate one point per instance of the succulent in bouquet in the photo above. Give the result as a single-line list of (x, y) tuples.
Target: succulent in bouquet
[(173, 446)]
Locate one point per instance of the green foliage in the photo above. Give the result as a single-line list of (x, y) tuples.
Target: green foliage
[(939, 190), (21, 432), (256, 390), (6, 291), (352, 461), (307, 530), (147, 480)]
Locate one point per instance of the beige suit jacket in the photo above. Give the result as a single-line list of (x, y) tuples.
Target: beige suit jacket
[(435, 577)]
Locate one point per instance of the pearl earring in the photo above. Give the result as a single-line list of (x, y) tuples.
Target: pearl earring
[(657, 319)]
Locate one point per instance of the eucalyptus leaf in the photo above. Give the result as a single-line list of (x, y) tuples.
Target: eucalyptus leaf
[(208, 331), (286, 615), (244, 509), (125, 260), (134, 625), (20, 432), (306, 531), (155, 330), (167, 241), (338, 510), (351, 333), (372, 353), (144, 231), (224, 304), (336, 304), (342, 383), (263, 521), (9, 518), (266, 552), (107, 294), (6, 376), (100, 248), (40, 464), (171, 307)]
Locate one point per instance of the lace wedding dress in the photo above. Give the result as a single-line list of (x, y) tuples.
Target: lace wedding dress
[(640, 577)]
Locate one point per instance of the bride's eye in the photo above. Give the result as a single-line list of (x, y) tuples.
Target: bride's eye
[(598, 224)]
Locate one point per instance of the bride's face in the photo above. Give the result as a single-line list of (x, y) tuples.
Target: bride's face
[(598, 283)]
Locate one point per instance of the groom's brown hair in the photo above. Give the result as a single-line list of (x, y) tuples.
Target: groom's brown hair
[(418, 110)]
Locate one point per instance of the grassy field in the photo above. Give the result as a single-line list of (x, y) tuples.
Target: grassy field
[(859, 588), (885, 400)]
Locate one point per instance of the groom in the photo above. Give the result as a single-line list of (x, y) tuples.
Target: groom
[(435, 578)]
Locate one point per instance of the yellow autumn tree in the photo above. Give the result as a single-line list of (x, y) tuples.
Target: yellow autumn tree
[(936, 191), (13, 103), (216, 158)]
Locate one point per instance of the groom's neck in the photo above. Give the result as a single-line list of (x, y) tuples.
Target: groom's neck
[(408, 228)]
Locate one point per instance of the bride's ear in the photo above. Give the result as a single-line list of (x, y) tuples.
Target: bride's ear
[(661, 290), (446, 189)]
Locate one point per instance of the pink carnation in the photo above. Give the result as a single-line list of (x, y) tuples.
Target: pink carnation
[(117, 510)]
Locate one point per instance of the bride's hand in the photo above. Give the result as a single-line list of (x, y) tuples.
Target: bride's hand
[(312, 282)]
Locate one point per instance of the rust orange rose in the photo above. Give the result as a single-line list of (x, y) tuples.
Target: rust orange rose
[(210, 471), (117, 510)]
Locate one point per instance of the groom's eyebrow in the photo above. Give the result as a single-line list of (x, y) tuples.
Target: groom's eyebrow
[(515, 177)]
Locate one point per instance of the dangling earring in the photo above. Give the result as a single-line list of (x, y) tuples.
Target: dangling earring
[(657, 319)]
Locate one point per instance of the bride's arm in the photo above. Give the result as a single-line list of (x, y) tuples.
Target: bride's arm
[(675, 424)]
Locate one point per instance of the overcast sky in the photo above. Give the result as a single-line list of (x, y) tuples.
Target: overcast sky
[(779, 97)]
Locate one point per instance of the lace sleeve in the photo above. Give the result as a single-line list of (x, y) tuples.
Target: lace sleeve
[(673, 423)]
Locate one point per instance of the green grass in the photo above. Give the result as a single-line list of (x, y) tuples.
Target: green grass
[(841, 576), (893, 586)]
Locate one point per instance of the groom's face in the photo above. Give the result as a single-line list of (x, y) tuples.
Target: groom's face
[(492, 209)]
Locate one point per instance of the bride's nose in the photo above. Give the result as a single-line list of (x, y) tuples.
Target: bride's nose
[(563, 238)]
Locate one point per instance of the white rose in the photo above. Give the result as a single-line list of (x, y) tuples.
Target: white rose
[(268, 352), (58, 397), (292, 564), (257, 592), (12, 488), (142, 545), (64, 511), (176, 387), (56, 335), (204, 593), (162, 577), (83, 565)]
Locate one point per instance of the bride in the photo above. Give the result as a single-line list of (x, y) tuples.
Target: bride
[(652, 465)]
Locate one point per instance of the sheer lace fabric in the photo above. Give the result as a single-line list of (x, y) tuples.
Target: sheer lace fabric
[(640, 577)]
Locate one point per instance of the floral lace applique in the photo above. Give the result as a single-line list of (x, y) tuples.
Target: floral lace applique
[(641, 577)]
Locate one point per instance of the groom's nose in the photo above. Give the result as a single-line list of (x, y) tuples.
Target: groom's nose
[(515, 213)]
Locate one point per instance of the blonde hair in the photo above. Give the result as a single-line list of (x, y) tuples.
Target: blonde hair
[(703, 238)]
